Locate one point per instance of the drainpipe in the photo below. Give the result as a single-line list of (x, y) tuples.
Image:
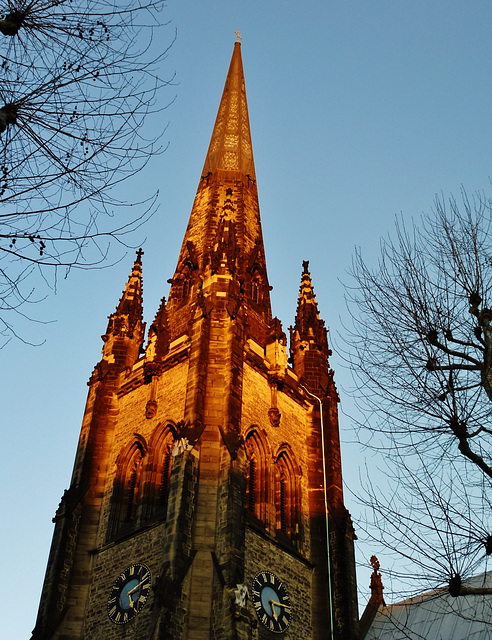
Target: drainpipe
[(326, 505)]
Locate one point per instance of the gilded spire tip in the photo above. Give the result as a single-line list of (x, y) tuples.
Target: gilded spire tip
[(238, 36)]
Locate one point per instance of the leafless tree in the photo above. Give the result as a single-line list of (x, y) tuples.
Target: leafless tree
[(420, 350), (79, 86)]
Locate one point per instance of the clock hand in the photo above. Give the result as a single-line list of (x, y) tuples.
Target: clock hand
[(279, 604), (272, 602), (135, 587)]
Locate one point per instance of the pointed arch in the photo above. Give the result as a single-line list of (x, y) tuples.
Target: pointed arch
[(258, 475), (256, 279), (185, 277), (127, 489), (256, 285), (287, 494), (158, 472)]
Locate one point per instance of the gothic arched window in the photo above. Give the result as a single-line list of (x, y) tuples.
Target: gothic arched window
[(287, 495), (258, 476), (158, 474), (255, 288), (126, 490), (186, 281)]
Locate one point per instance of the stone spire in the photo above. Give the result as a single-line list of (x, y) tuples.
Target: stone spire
[(130, 303), (308, 337), (125, 332), (230, 147), (309, 328), (223, 244)]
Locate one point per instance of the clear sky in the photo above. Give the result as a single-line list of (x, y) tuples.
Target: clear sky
[(360, 110)]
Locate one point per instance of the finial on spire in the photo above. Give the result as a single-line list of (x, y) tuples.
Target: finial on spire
[(125, 332), (238, 35), (376, 583)]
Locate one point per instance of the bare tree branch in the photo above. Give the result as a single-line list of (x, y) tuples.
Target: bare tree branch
[(420, 349), (81, 81)]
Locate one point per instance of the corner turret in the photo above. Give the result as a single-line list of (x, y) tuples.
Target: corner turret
[(125, 333), (308, 339)]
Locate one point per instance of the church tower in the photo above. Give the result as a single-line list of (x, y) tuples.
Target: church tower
[(206, 498)]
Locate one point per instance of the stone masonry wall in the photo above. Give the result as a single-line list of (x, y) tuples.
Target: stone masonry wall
[(166, 549), (293, 431), (295, 573), (146, 545), (132, 422)]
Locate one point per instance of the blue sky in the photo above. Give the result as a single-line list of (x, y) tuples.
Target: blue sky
[(359, 110)]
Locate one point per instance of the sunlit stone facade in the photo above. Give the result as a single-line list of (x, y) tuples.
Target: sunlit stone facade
[(200, 466)]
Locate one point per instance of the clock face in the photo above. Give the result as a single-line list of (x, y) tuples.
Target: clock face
[(129, 593), (271, 601)]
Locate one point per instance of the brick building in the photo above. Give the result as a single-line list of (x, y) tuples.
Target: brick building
[(198, 501)]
